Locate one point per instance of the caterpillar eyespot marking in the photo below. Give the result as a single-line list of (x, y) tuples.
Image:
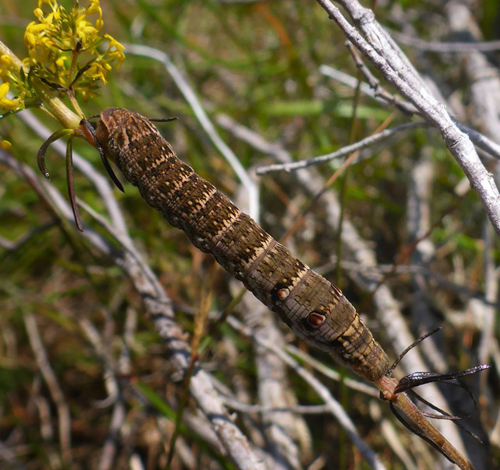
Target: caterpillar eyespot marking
[(315, 319), (283, 293)]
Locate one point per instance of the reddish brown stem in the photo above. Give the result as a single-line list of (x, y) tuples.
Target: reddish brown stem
[(387, 385)]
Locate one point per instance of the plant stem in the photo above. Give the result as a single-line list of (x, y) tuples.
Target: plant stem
[(387, 385)]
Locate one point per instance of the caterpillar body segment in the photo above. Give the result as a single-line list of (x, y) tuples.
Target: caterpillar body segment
[(315, 309)]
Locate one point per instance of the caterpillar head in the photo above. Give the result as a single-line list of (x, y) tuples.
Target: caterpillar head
[(115, 129)]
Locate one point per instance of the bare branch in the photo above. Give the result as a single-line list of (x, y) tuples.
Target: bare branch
[(386, 134), (480, 140), (385, 56), (444, 47)]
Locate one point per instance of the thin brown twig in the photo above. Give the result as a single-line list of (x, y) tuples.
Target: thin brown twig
[(288, 434), (198, 332), (300, 220)]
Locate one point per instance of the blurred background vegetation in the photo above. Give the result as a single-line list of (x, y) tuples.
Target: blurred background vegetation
[(257, 62)]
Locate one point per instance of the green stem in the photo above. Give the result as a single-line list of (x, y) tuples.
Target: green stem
[(67, 118)]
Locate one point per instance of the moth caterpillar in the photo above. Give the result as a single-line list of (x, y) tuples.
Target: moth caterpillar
[(315, 309)]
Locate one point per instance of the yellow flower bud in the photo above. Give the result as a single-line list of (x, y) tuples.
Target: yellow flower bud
[(6, 61), (9, 104), (29, 39), (5, 145), (4, 89)]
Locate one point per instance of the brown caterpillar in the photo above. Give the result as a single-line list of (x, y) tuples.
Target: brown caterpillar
[(315, 309)]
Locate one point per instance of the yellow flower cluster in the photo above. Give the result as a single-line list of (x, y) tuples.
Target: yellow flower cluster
[(63, 47), (63, 51)]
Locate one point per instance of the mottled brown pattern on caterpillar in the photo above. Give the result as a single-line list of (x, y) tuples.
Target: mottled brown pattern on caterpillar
[(315, 309)]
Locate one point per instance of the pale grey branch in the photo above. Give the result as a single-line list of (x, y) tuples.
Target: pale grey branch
[(444, 47), (50, 379), (386, 134), (390, 60)]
